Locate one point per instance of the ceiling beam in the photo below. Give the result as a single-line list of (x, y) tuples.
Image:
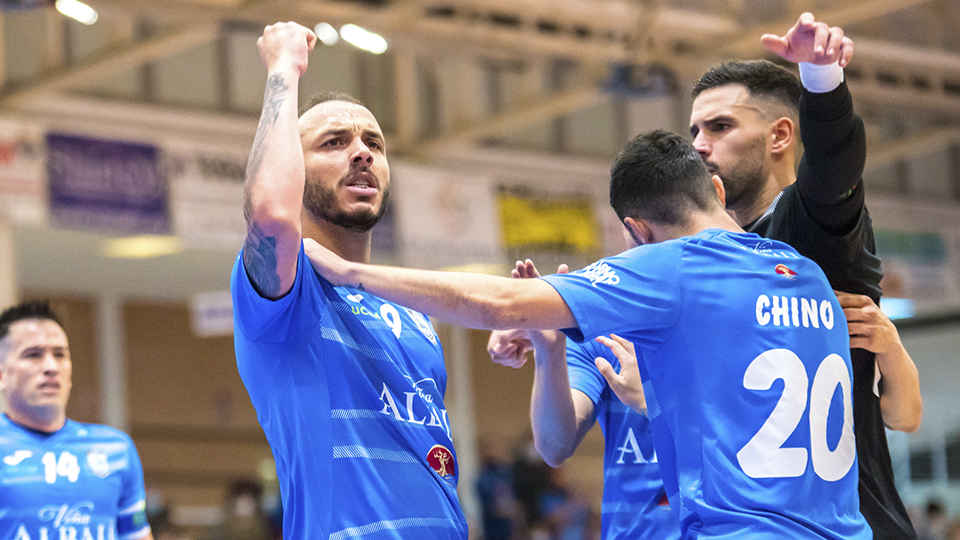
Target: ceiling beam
[(749, 44), (110, 61), (506, 123), (912, 147)]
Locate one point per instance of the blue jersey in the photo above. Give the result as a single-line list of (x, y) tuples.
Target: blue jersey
[(634, 502), (744, 354), (349, 391), (83, 481)]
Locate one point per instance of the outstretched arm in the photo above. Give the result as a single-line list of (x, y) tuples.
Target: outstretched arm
[(273, 191), (469, 300), (870, 329)]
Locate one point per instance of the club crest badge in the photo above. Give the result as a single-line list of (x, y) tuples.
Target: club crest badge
[(423, 325), (442, 462), (99, 463)]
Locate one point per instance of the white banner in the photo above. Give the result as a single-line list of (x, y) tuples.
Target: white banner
[(445, 219), (206, 194)]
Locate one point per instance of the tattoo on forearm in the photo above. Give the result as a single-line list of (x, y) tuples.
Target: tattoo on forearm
[(273, 98), (259, 250), (260, 261)]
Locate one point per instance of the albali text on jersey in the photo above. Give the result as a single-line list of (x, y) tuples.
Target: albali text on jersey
[(349, 391), (83, 482)]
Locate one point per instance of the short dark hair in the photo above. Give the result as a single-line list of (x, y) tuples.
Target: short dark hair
[(36, 310), (660, 176), (762, 78), (323, 97)]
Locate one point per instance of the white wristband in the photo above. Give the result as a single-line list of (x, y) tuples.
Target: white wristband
[(821, 79)]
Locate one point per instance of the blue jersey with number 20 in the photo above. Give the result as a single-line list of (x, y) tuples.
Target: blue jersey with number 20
[(744, 354)]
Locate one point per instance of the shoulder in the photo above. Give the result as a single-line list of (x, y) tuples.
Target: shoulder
[(96, 433)]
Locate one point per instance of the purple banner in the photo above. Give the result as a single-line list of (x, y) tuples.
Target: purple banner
[(101, 184)]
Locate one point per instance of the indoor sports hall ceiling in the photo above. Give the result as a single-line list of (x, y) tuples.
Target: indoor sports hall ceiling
[(905, 74), (467, 75)]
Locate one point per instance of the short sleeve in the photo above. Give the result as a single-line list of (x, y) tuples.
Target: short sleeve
[(582, 371), (264, 320), (638, 289), (132, 510)]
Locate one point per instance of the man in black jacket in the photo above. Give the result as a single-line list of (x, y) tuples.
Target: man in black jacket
[(745, 122)]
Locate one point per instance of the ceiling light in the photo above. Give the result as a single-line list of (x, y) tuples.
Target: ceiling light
[(326, 34), (141, 247), (363, 39), (77, 10)]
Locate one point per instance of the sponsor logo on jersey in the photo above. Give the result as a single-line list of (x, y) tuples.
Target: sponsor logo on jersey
[(418, 407), (99, 463), (442, 462), (68, 521), (766, 248), (785, 271), (16, 457), (600, 272), (75, 514)]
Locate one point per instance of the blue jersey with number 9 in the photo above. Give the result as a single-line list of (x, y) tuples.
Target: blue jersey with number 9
[(744, 354)]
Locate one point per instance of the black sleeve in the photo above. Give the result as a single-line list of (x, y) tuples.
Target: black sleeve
[(830, 176)]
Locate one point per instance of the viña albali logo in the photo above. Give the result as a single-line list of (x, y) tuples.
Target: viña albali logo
[(68, 522)]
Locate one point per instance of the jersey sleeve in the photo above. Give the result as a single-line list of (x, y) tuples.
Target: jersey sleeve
[(636, 289), (582, 371), (829, 177), (132, 509), (264, 320)]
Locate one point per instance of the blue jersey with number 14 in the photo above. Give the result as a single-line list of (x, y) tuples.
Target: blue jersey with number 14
[(744, 354), (83, 481)]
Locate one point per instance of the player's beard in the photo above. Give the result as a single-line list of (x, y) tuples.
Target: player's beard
[(744, 181), (321, 201)]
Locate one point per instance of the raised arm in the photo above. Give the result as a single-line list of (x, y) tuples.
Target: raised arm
[(273, 191), (870, 329), (834, 139)]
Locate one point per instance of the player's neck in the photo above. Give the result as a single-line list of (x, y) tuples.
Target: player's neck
[(351, 245), (695, 223), (715, 219), (779, 179), (41, 422)]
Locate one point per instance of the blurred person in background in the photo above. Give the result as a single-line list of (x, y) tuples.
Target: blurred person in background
[(58, 478)]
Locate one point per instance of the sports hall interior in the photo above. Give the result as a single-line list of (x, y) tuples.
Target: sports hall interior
[(501, 118)]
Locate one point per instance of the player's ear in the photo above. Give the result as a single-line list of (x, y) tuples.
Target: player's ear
[(783, 132), (721, 192), (638, 230)]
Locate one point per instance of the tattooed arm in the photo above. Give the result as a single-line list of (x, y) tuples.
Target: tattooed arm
[(273, 191)]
